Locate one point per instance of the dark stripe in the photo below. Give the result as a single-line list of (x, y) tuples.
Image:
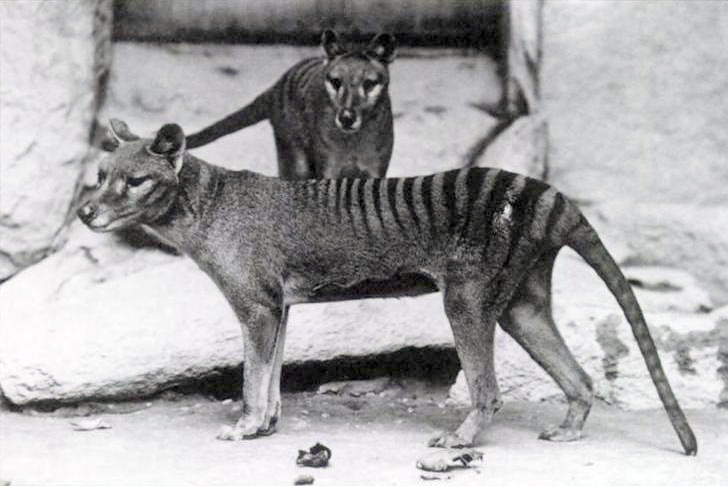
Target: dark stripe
[(556, 210), (310, 70), (407, 191), (502, 182), (347, 201), (392, 198), (524, 211), (473, 185), (376, 196), (426, 195), (449, 198), (339, 183), (292, 84), (362, 204), (324, 189)]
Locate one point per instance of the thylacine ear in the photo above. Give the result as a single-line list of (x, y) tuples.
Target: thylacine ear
[(382, 48), (117, 134), (331, 45), (170, 144)]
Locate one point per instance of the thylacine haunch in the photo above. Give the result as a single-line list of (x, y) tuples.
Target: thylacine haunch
[(486, 238)]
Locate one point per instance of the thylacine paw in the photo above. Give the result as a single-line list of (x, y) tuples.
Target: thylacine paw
[(449, 440), (560, 434)]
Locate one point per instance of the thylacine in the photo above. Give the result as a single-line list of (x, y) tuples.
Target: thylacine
[(331, 115), (486, 237)]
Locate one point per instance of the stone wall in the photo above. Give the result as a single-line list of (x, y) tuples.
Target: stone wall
[(635, 97), (53, 56)]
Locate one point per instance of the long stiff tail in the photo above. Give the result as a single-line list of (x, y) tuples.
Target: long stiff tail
[(585, 241), (249, 115)]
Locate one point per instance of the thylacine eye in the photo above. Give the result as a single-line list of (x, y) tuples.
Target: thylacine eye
[(101, 178), (369, 84), (335, 83), (137, 181)]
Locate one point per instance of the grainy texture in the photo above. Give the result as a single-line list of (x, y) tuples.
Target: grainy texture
[(52, 58), (59, 343), (375, 441), (634, 96)]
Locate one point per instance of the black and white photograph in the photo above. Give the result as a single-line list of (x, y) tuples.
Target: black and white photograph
[(363, 242)]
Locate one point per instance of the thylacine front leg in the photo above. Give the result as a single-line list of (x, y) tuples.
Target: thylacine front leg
[(261, 325), (273, 411)]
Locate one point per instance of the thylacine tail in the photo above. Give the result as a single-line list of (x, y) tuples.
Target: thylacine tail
[(585, 241), (249, 115)]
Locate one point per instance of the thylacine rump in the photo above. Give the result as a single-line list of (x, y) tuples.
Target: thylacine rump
[(486, 238), (331, 115)]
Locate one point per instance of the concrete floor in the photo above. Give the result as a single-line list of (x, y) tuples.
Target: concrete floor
[(375, 441)]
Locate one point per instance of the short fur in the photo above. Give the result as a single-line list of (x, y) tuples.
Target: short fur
[(486, 238), (331, 115)]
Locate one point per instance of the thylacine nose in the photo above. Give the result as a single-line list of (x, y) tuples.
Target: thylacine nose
[(347, 118), (87, 212)]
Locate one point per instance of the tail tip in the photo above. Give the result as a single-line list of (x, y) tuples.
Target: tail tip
[(690, 445)]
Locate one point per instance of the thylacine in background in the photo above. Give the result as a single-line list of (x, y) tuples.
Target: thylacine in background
[(487, 238), (331, 115)]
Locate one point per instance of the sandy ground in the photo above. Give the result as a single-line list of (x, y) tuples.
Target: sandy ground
[(376, 440)]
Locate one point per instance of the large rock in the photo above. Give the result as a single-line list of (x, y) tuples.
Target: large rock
[(52, 58), (692, 342), (521, 148), (692, 237), (104, 320)]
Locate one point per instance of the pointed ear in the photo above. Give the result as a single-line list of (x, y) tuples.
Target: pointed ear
[(331, 45), (383, 48), (170, 144), (117, 134)]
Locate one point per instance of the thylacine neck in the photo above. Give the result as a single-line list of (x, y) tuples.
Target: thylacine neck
[(180, 225)]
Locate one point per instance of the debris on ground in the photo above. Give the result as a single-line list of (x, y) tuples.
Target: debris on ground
[(447, 459), (356, 388), (435, 477), (303, 479), (85, 425), (316, 456)]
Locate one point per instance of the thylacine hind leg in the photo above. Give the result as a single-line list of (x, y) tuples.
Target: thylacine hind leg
[(273, 411), (473, 324), (529, 321)]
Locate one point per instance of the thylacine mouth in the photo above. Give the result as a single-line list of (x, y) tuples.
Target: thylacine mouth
[(348, 130), (112, 225)]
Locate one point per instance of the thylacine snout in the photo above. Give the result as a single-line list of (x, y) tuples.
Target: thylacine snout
[(487, 238)]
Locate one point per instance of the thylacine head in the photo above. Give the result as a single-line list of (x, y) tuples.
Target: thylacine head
[(355, 80), (138, 182)]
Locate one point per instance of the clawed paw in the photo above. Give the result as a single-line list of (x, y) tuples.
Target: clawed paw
[(229, 433), (235, 433), (449, 440), (560, 434)]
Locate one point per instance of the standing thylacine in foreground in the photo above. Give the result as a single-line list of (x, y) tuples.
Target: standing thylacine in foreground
[(331, 116), (486, 237)]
